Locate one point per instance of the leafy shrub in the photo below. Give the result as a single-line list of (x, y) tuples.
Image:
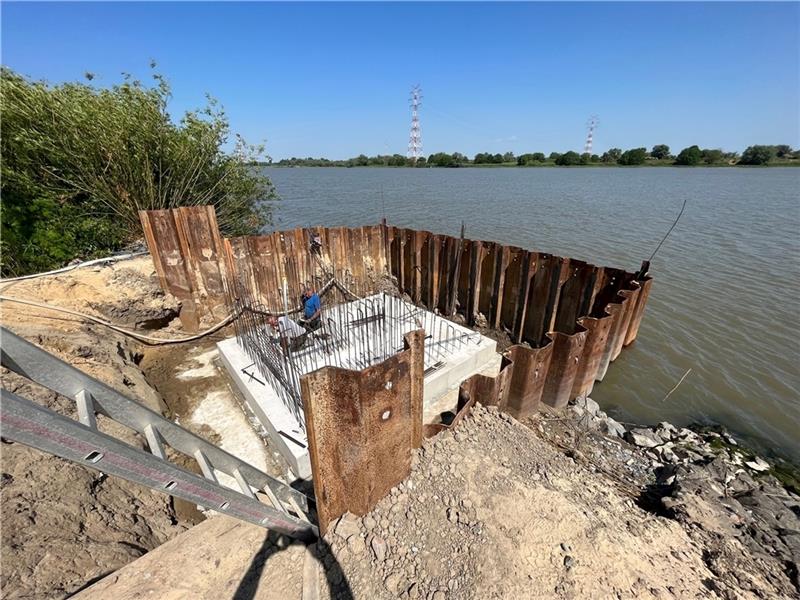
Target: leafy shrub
[(689, 156), (757, 155), (635, 156), (79, 162)]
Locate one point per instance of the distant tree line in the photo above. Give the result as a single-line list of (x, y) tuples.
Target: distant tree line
[(659, 155)]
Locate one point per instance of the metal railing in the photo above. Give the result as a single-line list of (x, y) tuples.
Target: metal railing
[(288, 512)]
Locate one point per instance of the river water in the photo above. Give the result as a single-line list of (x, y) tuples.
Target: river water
[(725, 300)]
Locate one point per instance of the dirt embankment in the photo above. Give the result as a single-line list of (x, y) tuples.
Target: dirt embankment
[(64, 525), (554, 509)]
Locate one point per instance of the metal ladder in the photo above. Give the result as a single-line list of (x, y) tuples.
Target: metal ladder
[(80, 441)]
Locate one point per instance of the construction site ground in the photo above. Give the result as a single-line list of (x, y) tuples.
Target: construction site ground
[(546, 508)]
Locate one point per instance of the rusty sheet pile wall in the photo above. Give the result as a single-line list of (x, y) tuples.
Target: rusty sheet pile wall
[(567, 320), (362, 426), (207, 272), (574, 317)]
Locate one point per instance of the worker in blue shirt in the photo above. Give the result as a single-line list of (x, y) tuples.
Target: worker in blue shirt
[(312, 309)]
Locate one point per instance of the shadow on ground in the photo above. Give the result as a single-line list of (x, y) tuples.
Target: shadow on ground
[(273, 543)]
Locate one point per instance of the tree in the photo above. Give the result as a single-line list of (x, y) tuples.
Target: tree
[(689, 156), (530, 159), (783, 150), (509, 157), (569, 159), (611, 156), (80, 161), (585, 158), (443, 159), (757, 155), (555, 156), (712, 156), (634, 156), (660, 151)]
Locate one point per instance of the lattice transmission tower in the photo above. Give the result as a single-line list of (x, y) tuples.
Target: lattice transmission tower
[(415, 141), (591, 125)]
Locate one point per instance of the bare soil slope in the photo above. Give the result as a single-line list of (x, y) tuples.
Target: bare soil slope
[(64, 525), (496, 512)]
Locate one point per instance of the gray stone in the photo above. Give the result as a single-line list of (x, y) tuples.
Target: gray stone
[(758, 464), (611, 427), (347, 525), (378, 546), (644, 438), (587, 404)]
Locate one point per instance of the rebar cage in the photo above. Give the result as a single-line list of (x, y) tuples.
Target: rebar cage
[(354, 334)]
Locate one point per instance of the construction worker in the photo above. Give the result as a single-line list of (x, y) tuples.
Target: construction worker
[(291, 335), (312, 309)]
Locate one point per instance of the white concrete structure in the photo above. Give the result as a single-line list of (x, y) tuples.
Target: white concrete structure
[(452, 354)]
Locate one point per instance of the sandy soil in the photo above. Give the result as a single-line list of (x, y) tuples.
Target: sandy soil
[(496, 512), (64, 525)]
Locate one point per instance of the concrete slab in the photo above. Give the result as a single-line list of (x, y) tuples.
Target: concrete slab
[(452, 354), (283, 429)]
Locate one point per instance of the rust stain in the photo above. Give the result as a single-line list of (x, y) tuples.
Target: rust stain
[(565, 309), (361, 427)]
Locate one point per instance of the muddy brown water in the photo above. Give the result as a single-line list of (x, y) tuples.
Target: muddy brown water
[(725, 300)]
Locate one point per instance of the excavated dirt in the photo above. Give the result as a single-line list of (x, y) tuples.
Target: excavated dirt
[(501, 510), (64, 525)]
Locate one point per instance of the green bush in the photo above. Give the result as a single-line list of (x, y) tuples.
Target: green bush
[(689, 156), (635, 156), (757, 155), (79, 162), (568, 159)]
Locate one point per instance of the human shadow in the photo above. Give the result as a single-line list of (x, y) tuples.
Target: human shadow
[(338, 585)]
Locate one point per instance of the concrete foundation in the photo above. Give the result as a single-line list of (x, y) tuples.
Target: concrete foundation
[(452, 354)]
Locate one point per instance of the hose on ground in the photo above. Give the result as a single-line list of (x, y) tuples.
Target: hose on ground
[(152, 341), (88, 263)]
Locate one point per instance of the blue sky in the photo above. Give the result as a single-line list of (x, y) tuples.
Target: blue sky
[(333, 79)]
